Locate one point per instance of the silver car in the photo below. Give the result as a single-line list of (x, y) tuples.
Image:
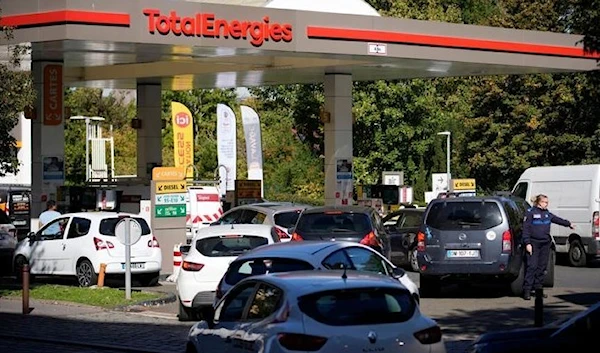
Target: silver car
[(312, 255), (282, 215), (316, 311)]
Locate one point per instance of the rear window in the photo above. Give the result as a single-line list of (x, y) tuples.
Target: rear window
[(229, 245), (107, 225), (287, 219), (334, 222), (475, 215), (239, 270), (361, 306)]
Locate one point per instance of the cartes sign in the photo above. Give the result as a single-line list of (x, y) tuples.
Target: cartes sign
[(53, 94), (168, 173)]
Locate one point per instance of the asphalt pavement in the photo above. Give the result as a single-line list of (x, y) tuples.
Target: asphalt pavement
[(154, 327)]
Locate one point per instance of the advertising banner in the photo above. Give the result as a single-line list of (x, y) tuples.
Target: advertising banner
[(343, 193), (53, 94), (252, 134), (226, 147), (183, 138)]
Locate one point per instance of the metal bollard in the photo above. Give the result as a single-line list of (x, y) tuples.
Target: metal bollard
[(101, 275), (539, 308), (25, 276)]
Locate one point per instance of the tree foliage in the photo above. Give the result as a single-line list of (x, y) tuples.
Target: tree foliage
[(16, 93)]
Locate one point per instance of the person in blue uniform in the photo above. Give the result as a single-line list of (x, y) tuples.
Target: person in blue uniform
[(537, 240)]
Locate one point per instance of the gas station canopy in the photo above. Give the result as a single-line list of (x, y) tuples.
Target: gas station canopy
[(184, 45)]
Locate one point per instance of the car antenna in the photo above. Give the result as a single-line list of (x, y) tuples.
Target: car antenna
[(344, 275)]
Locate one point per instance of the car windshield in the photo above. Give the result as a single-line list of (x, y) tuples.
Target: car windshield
[(107, 225), (241, 269), (338, 222), (228, 245), (476, 215), (287, 219), (361, 306)]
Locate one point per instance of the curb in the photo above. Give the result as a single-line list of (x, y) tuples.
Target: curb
[(140, 306)]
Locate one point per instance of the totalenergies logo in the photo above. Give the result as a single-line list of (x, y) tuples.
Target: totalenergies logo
[(208, 25)]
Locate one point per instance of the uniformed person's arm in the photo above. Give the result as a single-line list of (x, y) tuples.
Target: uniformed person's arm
[(560, 221)]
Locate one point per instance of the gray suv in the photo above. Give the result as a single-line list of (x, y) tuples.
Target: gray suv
[(474, 239)]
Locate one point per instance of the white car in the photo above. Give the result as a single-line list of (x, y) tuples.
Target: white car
[(75, 244), (211, 251), (312, 255), (316, 311)]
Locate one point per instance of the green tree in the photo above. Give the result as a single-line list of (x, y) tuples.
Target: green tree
[(585, 19), (16, 93)]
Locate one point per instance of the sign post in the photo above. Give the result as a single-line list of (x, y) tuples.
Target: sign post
[(129, 232)]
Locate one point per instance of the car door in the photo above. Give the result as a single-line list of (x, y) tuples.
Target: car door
[(76, 242), (228, 317), (255, 329), (48, 254)]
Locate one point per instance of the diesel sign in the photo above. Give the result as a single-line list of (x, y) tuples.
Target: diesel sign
[(208, 25)]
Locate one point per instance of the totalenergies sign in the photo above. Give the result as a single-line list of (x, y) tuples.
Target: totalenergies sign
[(209, 25)]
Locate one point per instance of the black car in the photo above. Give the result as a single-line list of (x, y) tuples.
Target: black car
[(348, 223), (578, 332), (475, 239), (402, 226)]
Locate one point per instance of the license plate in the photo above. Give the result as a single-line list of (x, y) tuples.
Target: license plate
[(462, 253), (135, 265)]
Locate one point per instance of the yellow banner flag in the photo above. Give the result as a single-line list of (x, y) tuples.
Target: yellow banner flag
[(183, 138)]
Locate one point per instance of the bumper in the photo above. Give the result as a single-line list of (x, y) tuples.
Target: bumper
[(462, 267), (196, 294), (117, 267)]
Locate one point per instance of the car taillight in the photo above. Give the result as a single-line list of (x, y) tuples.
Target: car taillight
[(102, 244), (370, 240), (153, 243), (281, 233), (191, 266), (596, 225), (507, 241), (296, 237), (429, 335), (300, 342), (421, 241)]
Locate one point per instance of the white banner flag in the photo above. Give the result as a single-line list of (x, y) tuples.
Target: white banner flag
[(226, 147), (252, 134)]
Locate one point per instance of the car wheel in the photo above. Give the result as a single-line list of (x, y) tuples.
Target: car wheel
[(189, 348), (412, 259), (20, 261), (185, 313), (86, 276), (576, 255), (429, 286), (549, 277), (516, 286)]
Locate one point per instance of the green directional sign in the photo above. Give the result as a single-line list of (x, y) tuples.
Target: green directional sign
[(162, 211)]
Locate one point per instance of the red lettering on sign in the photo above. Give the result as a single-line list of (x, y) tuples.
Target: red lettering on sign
[(208, 25), (207, 197)]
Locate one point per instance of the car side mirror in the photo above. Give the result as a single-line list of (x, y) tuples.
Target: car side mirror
[(31, 236), (207, 314), (291, 230), (398, 272)]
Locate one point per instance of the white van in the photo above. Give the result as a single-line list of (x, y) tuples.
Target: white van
[(203, 208), (574, 194)]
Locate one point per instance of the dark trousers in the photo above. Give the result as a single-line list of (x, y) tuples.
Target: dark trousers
[(536, 266)]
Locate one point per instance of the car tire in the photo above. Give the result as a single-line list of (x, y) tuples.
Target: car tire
[(576, 255), (86, 276), (549, 276), (412, 259), (18, 267), (429, 286), (185, 313), (516, 285)]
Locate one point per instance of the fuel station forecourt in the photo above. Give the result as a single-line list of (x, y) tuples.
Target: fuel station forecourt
[(156, 45)]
